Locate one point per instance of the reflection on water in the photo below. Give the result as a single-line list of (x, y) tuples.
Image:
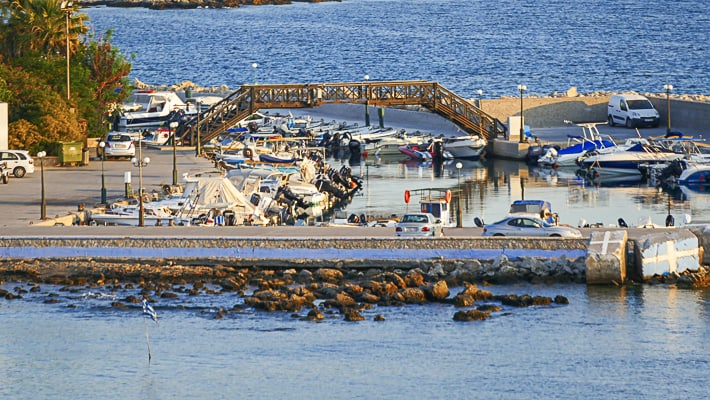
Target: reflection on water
[(488, 187)]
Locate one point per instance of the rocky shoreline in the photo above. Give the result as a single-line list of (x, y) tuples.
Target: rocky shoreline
[(189, 4), (310, 294)]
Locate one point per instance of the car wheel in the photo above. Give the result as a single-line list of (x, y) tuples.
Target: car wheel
[(19, 172), (610, 120), (629, 124), (498, 235)]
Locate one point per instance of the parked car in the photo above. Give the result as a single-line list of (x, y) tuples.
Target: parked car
[(528, 226), (19, 162), (419, 224), (118, 145)]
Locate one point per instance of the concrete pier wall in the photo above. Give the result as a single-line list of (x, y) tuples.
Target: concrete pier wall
[(687, 116), (345, 252)]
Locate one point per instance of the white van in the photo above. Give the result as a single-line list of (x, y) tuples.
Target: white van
[(632, 110)]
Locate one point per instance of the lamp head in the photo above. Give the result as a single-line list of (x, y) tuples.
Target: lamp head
[(146, 160), (667, 87), (134, 161), (173, 125), (479, 92), (522, 88), (367, 77), (42, 154), (459, 165), (102, 144), (254, 65)]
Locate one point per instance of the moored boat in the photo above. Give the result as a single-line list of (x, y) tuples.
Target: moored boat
[(151, 108), (468, 146)]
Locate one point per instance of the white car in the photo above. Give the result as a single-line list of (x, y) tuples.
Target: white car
[(419, 224), (19, 162), (119, 145)]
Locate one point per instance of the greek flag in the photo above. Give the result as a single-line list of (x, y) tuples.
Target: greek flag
[(149, 311)]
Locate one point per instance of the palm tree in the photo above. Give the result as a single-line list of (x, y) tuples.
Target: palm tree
[(40, 27)]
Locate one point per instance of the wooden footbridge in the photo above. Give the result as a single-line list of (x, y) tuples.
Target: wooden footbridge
[(251, 98)]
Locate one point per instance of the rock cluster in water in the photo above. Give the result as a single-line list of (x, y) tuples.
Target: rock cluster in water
[(187, 4), (307, 294), (318, 293)]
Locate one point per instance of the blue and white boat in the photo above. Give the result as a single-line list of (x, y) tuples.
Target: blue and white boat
[(577, 146)]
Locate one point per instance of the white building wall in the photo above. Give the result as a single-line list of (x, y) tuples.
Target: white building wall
[(3, 126)]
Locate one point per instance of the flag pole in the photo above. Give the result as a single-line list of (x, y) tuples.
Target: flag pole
[(147, 337)]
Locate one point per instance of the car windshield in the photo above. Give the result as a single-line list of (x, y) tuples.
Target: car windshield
[(639, 104), (414, 218)]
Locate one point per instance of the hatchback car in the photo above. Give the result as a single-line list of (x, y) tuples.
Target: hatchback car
[(119, 145), (528, 226), (419, 224), (19, 162)]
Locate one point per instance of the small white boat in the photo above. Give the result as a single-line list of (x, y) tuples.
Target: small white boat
[(151, 108), (157, 137), (153, 215), (469, 146)]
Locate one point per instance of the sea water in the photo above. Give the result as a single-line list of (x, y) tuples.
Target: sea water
[(612, 343)]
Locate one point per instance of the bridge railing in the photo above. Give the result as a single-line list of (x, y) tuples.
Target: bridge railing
[(250, 98)]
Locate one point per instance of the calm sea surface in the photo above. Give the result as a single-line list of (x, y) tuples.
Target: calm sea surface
[(635, 342)]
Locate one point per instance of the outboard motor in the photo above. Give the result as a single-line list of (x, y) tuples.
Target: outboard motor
[(355, 156)]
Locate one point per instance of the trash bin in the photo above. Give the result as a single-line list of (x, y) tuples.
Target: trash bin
[(71, 153)]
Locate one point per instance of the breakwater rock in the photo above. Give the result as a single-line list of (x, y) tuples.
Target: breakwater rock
[(307, 294), (188, 4)]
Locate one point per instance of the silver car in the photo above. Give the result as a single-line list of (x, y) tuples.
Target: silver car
[(419, 224), (119, 145), (528, 226)]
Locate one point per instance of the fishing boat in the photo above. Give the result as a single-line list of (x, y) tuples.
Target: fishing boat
[(434, 201), (151, 108)]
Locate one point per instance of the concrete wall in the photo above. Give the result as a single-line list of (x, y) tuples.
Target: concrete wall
[(692, 117)]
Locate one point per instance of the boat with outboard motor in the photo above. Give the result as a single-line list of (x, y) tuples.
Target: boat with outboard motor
[(151, 108), (577, 146)]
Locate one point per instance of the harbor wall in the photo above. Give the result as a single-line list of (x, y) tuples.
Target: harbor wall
[(687, 116)]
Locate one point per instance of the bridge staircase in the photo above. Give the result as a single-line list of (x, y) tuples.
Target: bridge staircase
[(248, 99)]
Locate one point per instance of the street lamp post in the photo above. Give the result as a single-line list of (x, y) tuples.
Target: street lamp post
[(479, 92), (174, 125), (43, 203), (102, 145), (667, 87), (459, 211), (367, 101), (254, 65), (140, 162), (522, 88), (198, 143), (67, 7)]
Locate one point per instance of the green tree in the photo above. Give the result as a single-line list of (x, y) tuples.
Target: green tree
[(108, 73), (33, 51)]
